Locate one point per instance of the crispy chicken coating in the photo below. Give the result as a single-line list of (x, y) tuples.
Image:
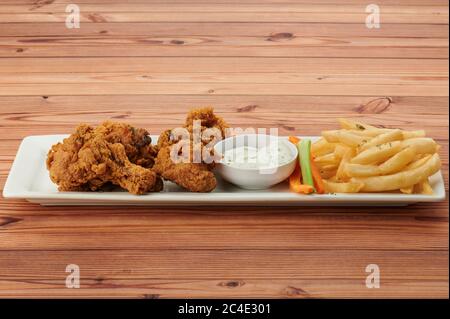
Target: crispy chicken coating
[(195, 177), (111, 153)]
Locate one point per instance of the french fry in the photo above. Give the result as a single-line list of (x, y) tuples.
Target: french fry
[(407, 190), (322, 147), (377, 154), (358, 170), (397, 162), (332, 179), (340, 150), (367, 133), (332, 187), (425, 187), (345, 137), (418, 162), (329, 167), (341, 174), (413, 134), (328, 174), (331, 136), (381, 159), (422, 145), (377, 132), (354, 125), (400, 180), (326, 159), (393, 165), (394, 135)]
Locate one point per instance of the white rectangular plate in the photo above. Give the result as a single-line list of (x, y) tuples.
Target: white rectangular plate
[(29, 179)]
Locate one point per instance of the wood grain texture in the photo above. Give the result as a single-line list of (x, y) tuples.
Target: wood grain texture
[(292, 64)]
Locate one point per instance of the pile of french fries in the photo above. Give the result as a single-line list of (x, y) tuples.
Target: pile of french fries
[(364, 158)]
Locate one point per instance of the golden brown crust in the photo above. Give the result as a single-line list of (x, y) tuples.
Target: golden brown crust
[(91, 158), (117, 153), (195, 177)]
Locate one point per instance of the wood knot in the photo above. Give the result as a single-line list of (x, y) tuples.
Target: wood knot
[(121, 116), (40, 3), (210, 91), (95, 17), (45, 97), (280, 36), (232, 283), (9, 220), (177, 42), (287, 127), (292, 291), (247, 108), (20, 50), (376, 106), (103, 32)]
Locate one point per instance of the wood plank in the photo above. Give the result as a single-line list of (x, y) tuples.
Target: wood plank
[(438, 16), (235, 273), (255, 29), (226, 51), (305, 115), (221, 89), (163, 64), (217, 288), (398, 108), (225, 264), (40, 3), (273, 8), (46, 228), (419, 67), (269, 77), (224, 46)]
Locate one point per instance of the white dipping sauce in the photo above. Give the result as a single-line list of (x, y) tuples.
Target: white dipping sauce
[(247, 157)]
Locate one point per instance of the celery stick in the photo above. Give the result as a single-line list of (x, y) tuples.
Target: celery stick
[(304, 151)]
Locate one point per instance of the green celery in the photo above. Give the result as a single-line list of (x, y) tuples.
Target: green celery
[(304, 151)]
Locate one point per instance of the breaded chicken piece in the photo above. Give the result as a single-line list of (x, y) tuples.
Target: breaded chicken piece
[(136, 141), (91, 158), (195, 177), (208, 120)]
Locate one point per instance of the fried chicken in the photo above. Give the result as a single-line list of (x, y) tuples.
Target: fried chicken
[(195, 177), (114, 153)]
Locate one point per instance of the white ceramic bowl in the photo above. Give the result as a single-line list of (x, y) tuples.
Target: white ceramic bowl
[(255, 178)]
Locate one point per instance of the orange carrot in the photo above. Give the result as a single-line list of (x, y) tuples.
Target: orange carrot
[(295, 183), (294, 140), (318, 182), (295, 180)]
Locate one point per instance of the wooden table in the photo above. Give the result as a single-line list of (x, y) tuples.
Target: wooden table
[(292, 64)]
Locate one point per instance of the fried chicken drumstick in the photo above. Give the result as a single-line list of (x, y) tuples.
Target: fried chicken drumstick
[(195, 177), (114, 153)]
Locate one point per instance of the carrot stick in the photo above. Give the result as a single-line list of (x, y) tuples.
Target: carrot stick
[(295, 180), (295, 184), (294, 140), (318, 182)]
